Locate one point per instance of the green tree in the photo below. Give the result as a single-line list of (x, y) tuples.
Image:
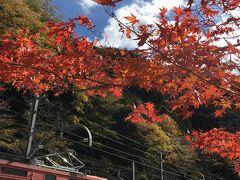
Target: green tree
[(31, 14)]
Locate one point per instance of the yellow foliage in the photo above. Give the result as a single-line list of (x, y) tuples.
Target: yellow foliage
[(16, 14)]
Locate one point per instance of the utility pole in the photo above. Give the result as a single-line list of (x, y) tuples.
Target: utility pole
[(161, 163), (33, 121), (133, 168)]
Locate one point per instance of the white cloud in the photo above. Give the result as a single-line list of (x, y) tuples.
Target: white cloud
[(86, 5), (233, 36), (146, 12), (229, 38)]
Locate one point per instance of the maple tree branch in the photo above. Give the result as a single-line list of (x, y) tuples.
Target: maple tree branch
[(169, 60), (50, 72)]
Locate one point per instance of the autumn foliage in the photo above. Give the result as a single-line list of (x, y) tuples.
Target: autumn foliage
[(218, 141), (146, 112), (52, 59), (190, 55)]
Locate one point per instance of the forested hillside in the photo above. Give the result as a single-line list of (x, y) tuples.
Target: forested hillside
[(116, 142)]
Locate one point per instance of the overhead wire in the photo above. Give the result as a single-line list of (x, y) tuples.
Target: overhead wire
[(113, 140), (144, 152), (62, 130), (188, 170), (125, 158), (102, 150), (72, 133), (15, 112), (125, 137), (169, 172), (98, 143), (164, 152), (114, 149), (193, 167)]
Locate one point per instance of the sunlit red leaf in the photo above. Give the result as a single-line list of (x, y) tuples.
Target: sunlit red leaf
[(116, 91), (84, 21), (132, 19), (219, 113)]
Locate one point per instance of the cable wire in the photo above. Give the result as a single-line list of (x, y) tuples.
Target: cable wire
[(136, 142), (113, 139), (188, 170), (125, 158)]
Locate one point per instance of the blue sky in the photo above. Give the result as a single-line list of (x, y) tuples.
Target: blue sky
[(107, 29), (72, 8)]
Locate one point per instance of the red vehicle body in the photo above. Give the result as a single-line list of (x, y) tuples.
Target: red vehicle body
[(11, 170)]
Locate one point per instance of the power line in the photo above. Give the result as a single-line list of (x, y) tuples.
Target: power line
[(45, 123), (125, 137), (93, 132), (125, 158), (108, 147), (99, 143), (22, 125), (114, 148), (169, 172), (188, 170), (99, 134), (144, 152), (106, 151), (193, 167), (57, 128), (78, 136), (136, 142)]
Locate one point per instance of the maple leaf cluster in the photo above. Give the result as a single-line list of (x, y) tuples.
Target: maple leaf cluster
[(184, 59), (218, 141), (54, 60), (145, 112), (186, 62)]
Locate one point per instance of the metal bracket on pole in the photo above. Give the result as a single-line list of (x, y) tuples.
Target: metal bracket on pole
[(89, 136)]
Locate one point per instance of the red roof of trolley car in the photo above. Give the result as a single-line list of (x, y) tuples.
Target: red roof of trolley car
[(11, 170)]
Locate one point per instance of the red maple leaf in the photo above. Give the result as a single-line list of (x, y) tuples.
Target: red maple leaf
[(132, 19)]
